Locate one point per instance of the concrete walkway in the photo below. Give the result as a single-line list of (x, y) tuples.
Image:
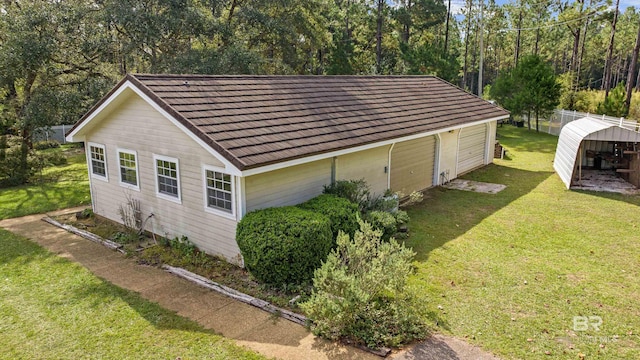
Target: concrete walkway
[(247, 325)]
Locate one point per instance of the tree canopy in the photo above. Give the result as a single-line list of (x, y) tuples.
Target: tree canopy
[(57, 58), (531, 87)]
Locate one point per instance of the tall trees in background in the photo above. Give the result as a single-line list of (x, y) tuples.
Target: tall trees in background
[(52, 65), (58, 57)]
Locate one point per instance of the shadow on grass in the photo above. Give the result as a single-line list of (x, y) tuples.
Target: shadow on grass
[(16, 253), (446, 214), (100, 292), (40, 198), (629, 199)]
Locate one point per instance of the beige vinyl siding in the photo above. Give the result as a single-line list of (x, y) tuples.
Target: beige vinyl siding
[(135, 125), (289, 186), (472, 148), (412, 164), (367, 164)]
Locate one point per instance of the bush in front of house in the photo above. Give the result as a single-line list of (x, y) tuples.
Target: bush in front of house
[(382, 211), (282, 246), (384, 221), (360, 293), (342, 213), (356, 191)]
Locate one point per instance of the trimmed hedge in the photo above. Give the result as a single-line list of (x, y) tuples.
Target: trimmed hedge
[(342, 213), (284, 245)]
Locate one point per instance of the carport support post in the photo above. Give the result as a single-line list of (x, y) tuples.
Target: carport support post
[(580, 165)]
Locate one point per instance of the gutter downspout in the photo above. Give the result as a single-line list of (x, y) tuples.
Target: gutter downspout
[(389, 167), (333, 169)]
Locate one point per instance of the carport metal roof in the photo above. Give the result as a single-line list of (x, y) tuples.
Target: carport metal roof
[(588, 128)]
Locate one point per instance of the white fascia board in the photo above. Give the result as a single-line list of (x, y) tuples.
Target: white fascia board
[(73, 136), (322, 156)]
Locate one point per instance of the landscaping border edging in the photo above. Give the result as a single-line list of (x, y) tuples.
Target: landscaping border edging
[(209, 284), (234, 294), (195, 278), (85, 234)]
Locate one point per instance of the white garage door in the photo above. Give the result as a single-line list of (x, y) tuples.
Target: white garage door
[(412, 164), (472, 148)]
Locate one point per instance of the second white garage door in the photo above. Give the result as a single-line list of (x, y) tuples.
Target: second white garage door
[(412, 164), (472, 148)]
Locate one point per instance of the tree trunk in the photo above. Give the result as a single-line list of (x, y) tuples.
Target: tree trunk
[(632, 69), (232, 9), (535, 48), (576, 47), (517, 50), (575, 53), (446, 30), (465, 67), (582, 50), (621, 64), (607, 65), (406, 29), (474, 56), (380, 4), (481, 48)]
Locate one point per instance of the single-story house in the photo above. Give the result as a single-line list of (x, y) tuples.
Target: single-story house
[(199, 152), (594, 144)]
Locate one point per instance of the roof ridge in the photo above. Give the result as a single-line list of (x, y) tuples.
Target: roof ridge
[(260, 76)]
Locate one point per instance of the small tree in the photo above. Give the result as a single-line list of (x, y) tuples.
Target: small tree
[(531, 87), (614, 104), (360, 292)]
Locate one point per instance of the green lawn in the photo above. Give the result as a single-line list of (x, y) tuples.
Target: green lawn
[(57, 187), (51, 308), (511, 271)]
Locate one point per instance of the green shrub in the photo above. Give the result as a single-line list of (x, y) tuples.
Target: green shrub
[(614, 104), (384, 221), (183, 245), (53, 159), (342, 213), (125, 237), (402, 218), (43, 145), (388, 203), (284, 245), (12, 170), (356, 191), (360, 293)]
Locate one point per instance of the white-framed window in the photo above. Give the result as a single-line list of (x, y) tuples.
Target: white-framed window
[(98, 161), (219, 191), (128, 164), (167, 178)]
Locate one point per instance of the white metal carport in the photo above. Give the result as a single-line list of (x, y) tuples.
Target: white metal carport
[(588, 128)]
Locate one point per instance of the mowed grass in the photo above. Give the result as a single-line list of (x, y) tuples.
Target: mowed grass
[(57, 187), (511, 271), (51, 308)]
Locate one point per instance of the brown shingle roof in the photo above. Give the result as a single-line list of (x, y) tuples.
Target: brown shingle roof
[(259, 120)]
